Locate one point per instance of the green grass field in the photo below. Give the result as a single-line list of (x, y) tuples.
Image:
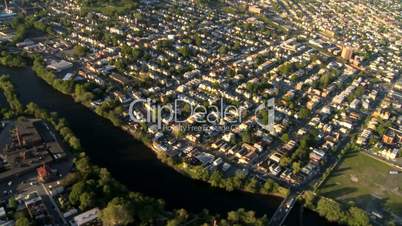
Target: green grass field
[(367, 183)]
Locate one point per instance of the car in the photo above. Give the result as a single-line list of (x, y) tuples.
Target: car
[(289, 203)]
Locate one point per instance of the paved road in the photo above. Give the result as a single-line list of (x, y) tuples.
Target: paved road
[(22, 185), (284, 209), (53, 209), (26, 185)]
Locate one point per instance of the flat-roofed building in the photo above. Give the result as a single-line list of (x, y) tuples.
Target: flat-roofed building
[(347, 52), (87, 218), (60, 66)]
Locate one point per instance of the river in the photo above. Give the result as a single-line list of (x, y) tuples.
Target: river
[(137, 167)]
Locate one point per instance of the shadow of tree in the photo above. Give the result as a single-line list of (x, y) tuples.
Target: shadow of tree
[(327, 185), (338, 193), (373, 204), (340, 171)]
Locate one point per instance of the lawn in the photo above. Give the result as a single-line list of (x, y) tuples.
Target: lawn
[(118, 7), (366, 182)]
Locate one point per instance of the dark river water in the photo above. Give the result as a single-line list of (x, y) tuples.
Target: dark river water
[(136, 166)]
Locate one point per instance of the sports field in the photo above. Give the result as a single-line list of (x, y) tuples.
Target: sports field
[(367, 183)]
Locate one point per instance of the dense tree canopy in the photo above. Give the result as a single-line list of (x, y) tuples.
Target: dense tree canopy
[(7, 88), (357, 217), (330, 209), (116, 213), (22, 221)]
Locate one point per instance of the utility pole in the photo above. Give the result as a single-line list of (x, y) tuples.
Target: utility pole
[(5, 6), (6, 9)]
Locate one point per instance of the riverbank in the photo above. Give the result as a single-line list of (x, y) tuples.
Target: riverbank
[(133, 164), (100, 138), (84, 194), (216, 179), (188, 170), (12, 60)]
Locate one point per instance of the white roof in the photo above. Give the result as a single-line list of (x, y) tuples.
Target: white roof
[(8, 223), (205, 158), (87, 216), (59, 66), (2, 212)]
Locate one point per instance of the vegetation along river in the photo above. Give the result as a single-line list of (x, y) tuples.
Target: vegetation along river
[(137, 167)]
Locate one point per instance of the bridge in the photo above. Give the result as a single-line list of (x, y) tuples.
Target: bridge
[(284, 209)]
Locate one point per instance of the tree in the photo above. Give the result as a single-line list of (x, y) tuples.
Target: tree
[(309, 198), (83, 165), (87, 200), (293, 78), (180, 217), (357, 217), (259, 60), (237, 46), (284, 161), (381, 130), (198, 40), (282, 190), (246, 136), (222, 50), (286, 68), (238, 179), (116, 213), (174, 222), (216, 179), (20, 32), (184, 51), (233, 216), (330, 209), (285, 138), (243, 217), (147, 209), (164, 44), (303, 113), (104, 177), (81, 94), (79, 50), (12, 60), (10, 94), (76, 192), (120, 64), (325, 80), (267, 187), (264, 116), (12, 203), (70, 179), (74, 143), (136, 53), (296, 167), (251, 185), (22, 221), (40, 26), (200, 173)]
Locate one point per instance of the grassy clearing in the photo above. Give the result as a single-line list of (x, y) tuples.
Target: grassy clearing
[(366, 182), (117, 7)]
